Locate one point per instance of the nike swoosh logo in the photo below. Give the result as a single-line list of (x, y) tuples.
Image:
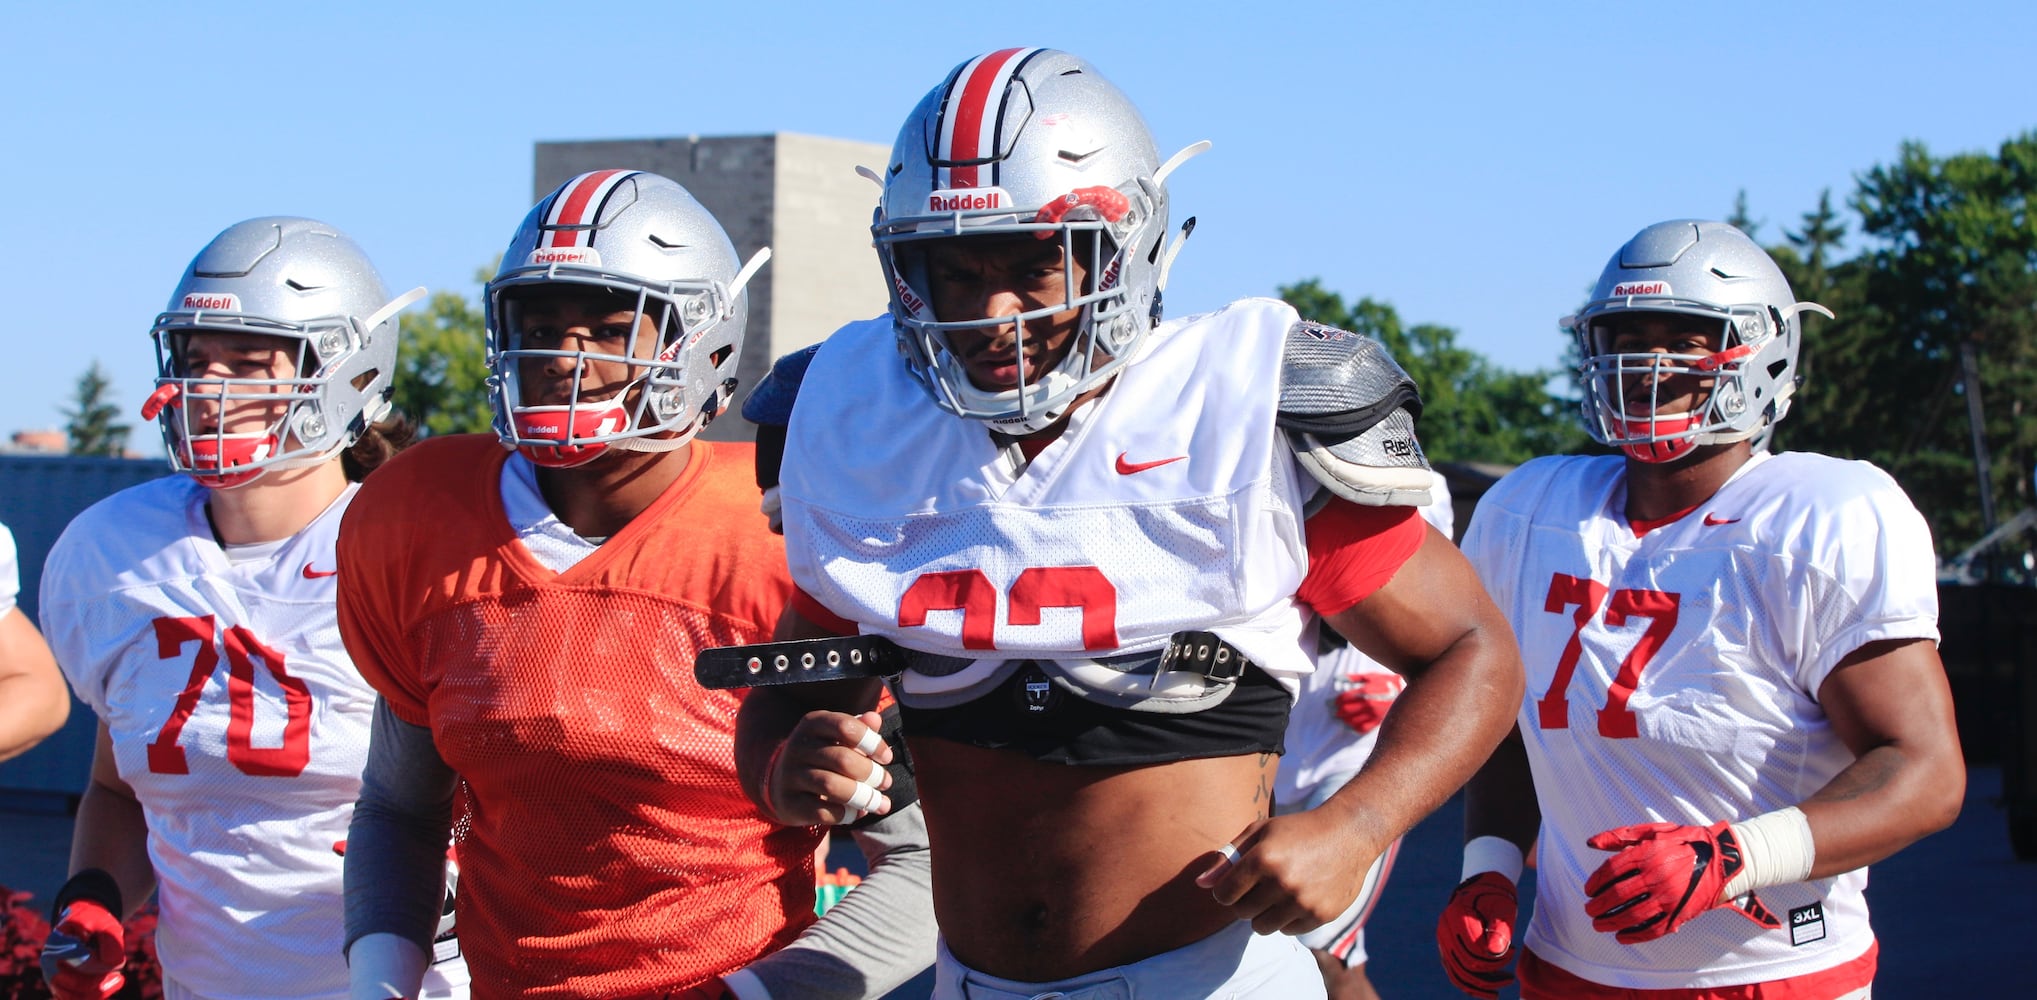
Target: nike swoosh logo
[(312, 574), (1713, 520), (1127, 468)]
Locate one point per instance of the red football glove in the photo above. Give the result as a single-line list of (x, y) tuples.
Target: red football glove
[(84, 952), (1362, 699), (1476, 934), (1663, 875)]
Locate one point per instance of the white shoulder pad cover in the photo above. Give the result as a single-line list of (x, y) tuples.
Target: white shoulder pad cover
[(1349, 412)]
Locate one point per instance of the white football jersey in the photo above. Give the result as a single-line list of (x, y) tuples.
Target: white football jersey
[(1320, 746), (10, 572), (1674, 677), (239, 721), (1170, 502)]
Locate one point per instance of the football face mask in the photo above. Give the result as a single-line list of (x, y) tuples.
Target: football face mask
[(582, 368)]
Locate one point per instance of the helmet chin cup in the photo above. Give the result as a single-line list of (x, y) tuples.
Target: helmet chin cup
[(1662, 439), (571, 427), (224, 461)]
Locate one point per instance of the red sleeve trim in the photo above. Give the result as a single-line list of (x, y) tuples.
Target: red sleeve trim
[(1353, 550), (817, 613)]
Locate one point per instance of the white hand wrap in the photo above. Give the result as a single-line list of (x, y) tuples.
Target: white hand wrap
[(866, 798), (1493, 854), (1776, 848)]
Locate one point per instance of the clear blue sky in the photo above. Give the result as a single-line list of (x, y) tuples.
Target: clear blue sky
[(1473, 165)]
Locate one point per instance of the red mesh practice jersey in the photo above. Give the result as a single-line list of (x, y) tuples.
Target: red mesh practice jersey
[(605, 847)]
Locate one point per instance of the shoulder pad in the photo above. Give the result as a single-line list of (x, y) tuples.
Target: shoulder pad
[(771, 401), (1349, 412), (770, 408)]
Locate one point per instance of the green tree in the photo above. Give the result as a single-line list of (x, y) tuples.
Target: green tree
[(92, 422), (1813, 246), (1808, 260), (442, 365), (1952, 268), (1740, 219), (1472, 410)]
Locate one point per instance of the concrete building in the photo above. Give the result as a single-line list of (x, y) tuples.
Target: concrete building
[(798, 194)]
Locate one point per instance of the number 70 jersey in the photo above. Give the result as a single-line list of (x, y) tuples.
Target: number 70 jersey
[(1673, 673), (235, 715)]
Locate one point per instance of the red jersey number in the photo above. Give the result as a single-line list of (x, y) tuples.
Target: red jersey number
[(972, 593), (1588, 597), (242, 650)]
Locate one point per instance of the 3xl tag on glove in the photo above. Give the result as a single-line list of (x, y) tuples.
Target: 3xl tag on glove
[(802, 661)]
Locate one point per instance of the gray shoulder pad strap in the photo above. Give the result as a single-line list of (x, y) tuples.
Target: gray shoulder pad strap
[(1349, 413)]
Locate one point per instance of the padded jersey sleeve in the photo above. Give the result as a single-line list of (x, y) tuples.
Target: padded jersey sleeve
[(371, 619), (1871, 575), (71, 582), (10, 572), (1353, 550)]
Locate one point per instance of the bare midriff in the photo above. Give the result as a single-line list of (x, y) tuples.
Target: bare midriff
[(1044, 871)]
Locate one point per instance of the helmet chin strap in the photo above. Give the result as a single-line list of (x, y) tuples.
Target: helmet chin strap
[(395, 305), (1188, 152), (651, 444)]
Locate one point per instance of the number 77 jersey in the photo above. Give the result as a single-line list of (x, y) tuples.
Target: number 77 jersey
[(1673, 671)]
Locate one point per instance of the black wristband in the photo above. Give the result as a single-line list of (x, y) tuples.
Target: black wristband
[(94, 884)]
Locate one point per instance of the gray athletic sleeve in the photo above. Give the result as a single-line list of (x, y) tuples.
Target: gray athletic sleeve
[(880, 934), (396, 846)]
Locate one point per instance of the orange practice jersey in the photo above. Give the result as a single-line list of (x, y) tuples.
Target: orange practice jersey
[(605, 847)]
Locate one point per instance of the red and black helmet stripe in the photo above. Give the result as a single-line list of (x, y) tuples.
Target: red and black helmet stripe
[(972, 117), (577, 208)]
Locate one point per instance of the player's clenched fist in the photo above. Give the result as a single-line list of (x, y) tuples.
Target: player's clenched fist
[(1476, 934), (82, 957), (1663, 875), (1289, 874), (829, 771)]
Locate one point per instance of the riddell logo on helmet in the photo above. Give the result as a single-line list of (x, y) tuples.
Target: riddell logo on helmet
[(1627, 288), (216, 301), (964, 200), (907, 298), (1110, 275), (566, 255)]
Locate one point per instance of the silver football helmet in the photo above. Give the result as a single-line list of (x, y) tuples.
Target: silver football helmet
[(1031, 141), (295, 279), (644, 239), (1705, 269)]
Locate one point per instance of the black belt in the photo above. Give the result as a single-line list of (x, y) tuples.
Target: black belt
[(804, 661)]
